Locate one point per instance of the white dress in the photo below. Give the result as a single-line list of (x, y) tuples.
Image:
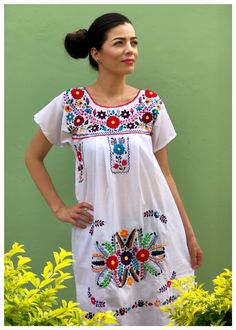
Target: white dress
[(126, 259)]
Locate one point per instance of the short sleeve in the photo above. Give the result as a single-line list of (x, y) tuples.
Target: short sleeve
[(163, 130), (51, 120)]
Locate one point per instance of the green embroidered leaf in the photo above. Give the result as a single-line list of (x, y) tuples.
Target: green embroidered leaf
[(109, 247), (146, 240), (106, 280), (150, 269)]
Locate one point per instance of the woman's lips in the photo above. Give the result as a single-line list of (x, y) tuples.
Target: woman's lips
[(128, 61)]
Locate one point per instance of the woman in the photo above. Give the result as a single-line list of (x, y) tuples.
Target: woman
[(131, 234)]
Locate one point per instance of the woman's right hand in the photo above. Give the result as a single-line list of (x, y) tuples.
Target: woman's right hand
[(77, 215)]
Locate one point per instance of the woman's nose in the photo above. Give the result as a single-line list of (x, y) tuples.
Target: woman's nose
[(129, 48)]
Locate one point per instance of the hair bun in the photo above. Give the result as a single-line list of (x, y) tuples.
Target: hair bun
[(76, 44)]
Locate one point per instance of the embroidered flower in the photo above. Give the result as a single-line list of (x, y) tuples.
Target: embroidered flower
[(78, 121), (130, 281), (139, 108), (150, 93), (126, 258), (125, 119), (119, 154), (88, 110), (93, 300), (79, 155), (142, 255), (101, 114), (130, 126), (155, 112), (140, 303), (70, 117), (147, 117), (67, 108), (112, 262), (168, 284), (94, 128), (122, 311), (113, 122), (125, 114), (79, 103), (77, 93), (119, 149), (124, 233), (157, 303)]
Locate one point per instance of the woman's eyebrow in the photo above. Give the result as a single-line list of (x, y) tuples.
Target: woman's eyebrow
[(122, 38)]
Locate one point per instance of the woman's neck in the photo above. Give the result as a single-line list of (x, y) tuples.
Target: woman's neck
[(110, 86)]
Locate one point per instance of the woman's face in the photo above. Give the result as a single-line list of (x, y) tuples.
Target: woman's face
[(119, 52)]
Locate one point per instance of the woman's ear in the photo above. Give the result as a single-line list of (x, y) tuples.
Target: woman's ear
[(95, 54)]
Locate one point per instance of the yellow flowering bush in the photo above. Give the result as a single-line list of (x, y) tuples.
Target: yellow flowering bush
[(31, 301), (197, 307)]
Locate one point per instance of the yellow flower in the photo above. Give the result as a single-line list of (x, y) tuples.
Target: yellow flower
[(79, 103), (130, 281), (157, 303), (67, 108)]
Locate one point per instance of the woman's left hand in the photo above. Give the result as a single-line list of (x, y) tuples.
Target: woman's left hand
[(195, 252)]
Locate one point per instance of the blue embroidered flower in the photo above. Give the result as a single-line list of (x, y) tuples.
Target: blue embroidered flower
[(88, 110), (119, 149), (70, 117), (139, 108), (155, 112)]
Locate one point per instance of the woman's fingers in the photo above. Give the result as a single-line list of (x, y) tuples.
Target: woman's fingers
[(85, 205), (77, 215)]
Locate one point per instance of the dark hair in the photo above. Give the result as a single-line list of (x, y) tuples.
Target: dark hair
[(79, 43)]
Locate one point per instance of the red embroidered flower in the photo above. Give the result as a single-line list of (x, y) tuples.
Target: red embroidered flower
[(149, 93), (116, 166), (142, 255), (77, 93), (147, 117), (113, 122), (79, 155), (168, 284), (124, 162), (78, 120), (93, 300), (112, 262)]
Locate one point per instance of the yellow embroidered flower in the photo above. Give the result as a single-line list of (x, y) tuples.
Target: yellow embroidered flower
[(79, 103), (67, 108), (130, 281), (124, 233), (157, 303), (148, 101)]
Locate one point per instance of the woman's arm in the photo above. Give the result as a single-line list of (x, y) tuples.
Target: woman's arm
[(34, 160), (193, 246)]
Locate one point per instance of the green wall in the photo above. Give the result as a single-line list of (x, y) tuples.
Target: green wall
[(185, 55)]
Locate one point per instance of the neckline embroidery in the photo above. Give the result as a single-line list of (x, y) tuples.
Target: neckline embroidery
[(84, 119), (109, 107)]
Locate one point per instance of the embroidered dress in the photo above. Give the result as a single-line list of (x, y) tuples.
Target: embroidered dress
[(126, 259)]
